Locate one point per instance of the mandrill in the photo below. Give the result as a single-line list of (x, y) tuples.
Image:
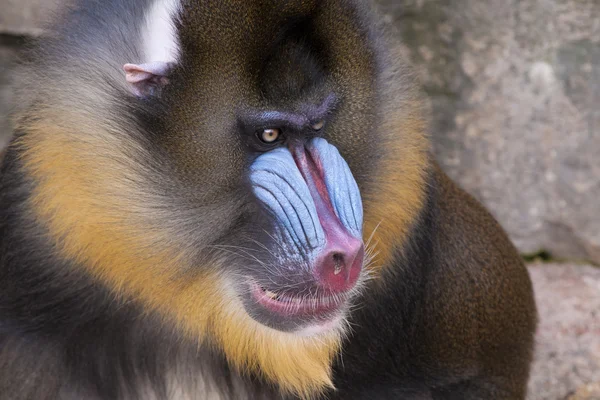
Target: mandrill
[(223, 200)]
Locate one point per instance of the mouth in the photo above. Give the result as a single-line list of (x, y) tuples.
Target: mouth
[(322, 306)]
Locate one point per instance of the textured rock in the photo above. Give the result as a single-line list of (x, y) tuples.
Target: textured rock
[(21, 17), (567, 360), (514, 88), (588, 392)]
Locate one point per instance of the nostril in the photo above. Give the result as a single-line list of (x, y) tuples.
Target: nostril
[(338, 263), (338, 269)]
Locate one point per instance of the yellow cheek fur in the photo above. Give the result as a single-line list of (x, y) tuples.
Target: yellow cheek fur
[(400, 189)]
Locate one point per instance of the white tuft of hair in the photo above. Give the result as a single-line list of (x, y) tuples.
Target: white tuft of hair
[(159, 36)]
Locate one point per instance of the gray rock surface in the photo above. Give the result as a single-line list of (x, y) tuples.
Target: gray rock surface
[(567, 360), (588, 392), (515, 93)]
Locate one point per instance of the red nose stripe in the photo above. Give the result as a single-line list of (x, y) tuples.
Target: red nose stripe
[(337, 266)]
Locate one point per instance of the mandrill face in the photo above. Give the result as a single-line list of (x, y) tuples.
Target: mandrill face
[(297, 253), (277, 133)]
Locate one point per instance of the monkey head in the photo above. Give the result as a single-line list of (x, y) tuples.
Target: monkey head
[(216, 166), (264, 122)]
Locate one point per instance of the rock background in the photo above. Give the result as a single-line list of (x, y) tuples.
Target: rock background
[(567, 357), (514, 89), (515, 93)]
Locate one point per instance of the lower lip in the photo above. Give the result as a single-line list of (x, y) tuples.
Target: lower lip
[(306, 307)]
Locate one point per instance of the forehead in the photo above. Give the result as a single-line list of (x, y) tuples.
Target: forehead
[(250, 28), (275, 48)]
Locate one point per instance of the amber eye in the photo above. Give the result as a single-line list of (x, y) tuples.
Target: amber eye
[(317, 126), (269, 135)]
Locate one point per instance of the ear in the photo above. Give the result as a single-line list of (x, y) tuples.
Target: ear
[(145, 79)]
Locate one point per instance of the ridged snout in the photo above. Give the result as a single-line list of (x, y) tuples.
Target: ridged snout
[(316, 203)]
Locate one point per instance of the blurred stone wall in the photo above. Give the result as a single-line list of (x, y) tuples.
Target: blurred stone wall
[(515, 94), (514, 87)]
